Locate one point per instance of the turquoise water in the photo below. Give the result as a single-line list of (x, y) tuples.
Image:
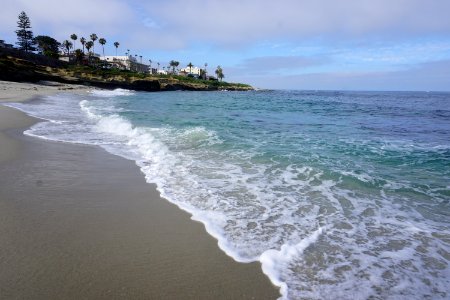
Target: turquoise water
[(337, 194)]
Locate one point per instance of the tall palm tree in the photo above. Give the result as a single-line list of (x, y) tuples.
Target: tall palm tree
[(67, 45), (116, 44), (140, 56), (190, 65), (205, 72), (93, 39), (102, 42), (174, 64), (158, 66), (83, 42), (74, 37), (89, 45)]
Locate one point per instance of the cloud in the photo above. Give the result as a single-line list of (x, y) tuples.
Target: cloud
[(233, 23), (335, 42), (432, 76), (273, 64), (57, 17), (244, 21)]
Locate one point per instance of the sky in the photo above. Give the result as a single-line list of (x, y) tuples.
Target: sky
[(282, 44)]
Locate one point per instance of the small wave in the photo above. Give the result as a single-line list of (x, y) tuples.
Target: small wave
[(113, 93), (274, 261)]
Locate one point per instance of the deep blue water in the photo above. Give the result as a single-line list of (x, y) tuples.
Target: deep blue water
[(338, 194)]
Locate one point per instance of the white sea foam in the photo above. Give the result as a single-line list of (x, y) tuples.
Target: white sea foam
[(275, 261), (112, 93)]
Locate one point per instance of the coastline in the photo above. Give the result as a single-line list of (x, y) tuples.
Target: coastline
[(78, 222)]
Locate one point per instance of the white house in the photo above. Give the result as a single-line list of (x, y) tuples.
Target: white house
[(193, 70), (125, 62)]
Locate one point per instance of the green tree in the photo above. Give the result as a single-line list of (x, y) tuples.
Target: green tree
[(67, 45), (79, 56), (174, 64), (89, 45), (102, 42), (205, 71), (116, 44), (190, 65), (24, 34), (93, 39), (74, 37), (83, 42), (219, 73), (203, 74), (47, 46)]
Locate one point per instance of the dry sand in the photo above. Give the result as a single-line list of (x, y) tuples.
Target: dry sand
[(79, 223)]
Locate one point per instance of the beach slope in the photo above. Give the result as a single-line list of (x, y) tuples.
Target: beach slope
[(79, 223)]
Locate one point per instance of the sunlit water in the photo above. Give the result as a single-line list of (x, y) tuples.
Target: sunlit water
[(338, 194)]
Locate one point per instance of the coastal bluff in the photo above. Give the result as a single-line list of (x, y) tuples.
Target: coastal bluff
[(28, 67)]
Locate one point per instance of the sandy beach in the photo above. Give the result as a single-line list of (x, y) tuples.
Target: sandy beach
[(79, 223)]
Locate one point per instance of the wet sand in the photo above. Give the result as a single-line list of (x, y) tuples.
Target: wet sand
[(79, 223)]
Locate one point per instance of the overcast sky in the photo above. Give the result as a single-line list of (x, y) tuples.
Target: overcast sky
[(289, 44)]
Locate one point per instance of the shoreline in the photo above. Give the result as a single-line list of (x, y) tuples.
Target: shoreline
[(58, 198)]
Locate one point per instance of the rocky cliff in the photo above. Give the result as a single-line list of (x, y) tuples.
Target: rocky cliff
[(32, 68)]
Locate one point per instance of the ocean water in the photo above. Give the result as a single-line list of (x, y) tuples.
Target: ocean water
[(339, 195)]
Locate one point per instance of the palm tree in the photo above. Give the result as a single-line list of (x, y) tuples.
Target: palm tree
[(74, 37), (78, 56), (140, 58), (219, 73), (158, 66), (93, 39), (128, 52), (89, 45), (204, 73), (102, 42), (67, 45), (83, 41), (116, 44), (190, 65), (174, 64)]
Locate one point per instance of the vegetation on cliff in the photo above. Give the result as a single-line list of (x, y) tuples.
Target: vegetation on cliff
[(23, 64), (19, 66)]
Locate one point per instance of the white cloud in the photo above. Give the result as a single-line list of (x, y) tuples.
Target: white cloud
[(432, 76), (229, 23), (242, 21), (273, 64)]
